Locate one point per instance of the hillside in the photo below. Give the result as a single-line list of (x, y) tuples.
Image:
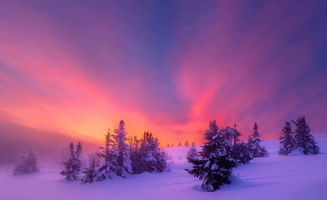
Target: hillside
[(276, 177)]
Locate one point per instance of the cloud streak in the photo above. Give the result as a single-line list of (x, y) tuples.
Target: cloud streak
[(169, 67)]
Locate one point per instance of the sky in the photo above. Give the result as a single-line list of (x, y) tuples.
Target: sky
[(78, 67)]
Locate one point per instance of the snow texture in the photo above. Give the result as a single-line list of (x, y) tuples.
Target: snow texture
[(298, 176)]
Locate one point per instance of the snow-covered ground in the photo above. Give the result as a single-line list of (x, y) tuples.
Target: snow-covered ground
[(276, 177)]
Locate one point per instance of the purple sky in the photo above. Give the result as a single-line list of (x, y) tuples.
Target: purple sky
[(78, 67)]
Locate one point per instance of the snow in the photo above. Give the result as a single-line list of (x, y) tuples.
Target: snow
[(275, 177)]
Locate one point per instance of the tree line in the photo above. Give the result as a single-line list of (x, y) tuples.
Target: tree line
[(119, 156), (213, 164), (222, 150)]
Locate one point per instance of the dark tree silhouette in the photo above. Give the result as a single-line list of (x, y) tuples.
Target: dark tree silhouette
[(73, 164), (287, 141), (256, 149), (186, 143), (305, 142), (215, 164)]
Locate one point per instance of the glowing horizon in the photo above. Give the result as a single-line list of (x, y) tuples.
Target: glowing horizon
[(78, 68)]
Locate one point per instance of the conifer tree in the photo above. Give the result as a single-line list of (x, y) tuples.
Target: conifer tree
[(186, 143), (254, 144), (90, 173), (73, 164), (136, 155), (122, 151), (78, 150), (108, 164), (241, 153), (146, 154), (207, 148), (215, 165), (305, 142), (153, 158), (233, 133), (287, 142), (27, 164), (192, 153)]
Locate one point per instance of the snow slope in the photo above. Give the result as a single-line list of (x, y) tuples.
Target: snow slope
[(276, 177)]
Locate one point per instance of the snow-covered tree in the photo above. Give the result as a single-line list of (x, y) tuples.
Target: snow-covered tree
[(108, 162), (73, 164), (207, 148), (305, 142), (146, 154), (233, 134), (91, 172), (124, 166), (287, 142), (153, 158), (136, 155), (192, 153), (214, 167), (256, 149), (27, 164), (241, 153)]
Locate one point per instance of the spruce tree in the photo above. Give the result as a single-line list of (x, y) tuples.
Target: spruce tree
[(90, 173), (214, 167), (305, 142), (233, 134), (73, 164), (186, 143), (207, 148), (256, 149), (287, 142), (146, 154), (27, 164), (108, 162), (153, 159), (241, 153), (192, 153), (136, 155), (122, 151)]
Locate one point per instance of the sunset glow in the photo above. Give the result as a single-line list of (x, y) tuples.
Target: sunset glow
[(79, 68)]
